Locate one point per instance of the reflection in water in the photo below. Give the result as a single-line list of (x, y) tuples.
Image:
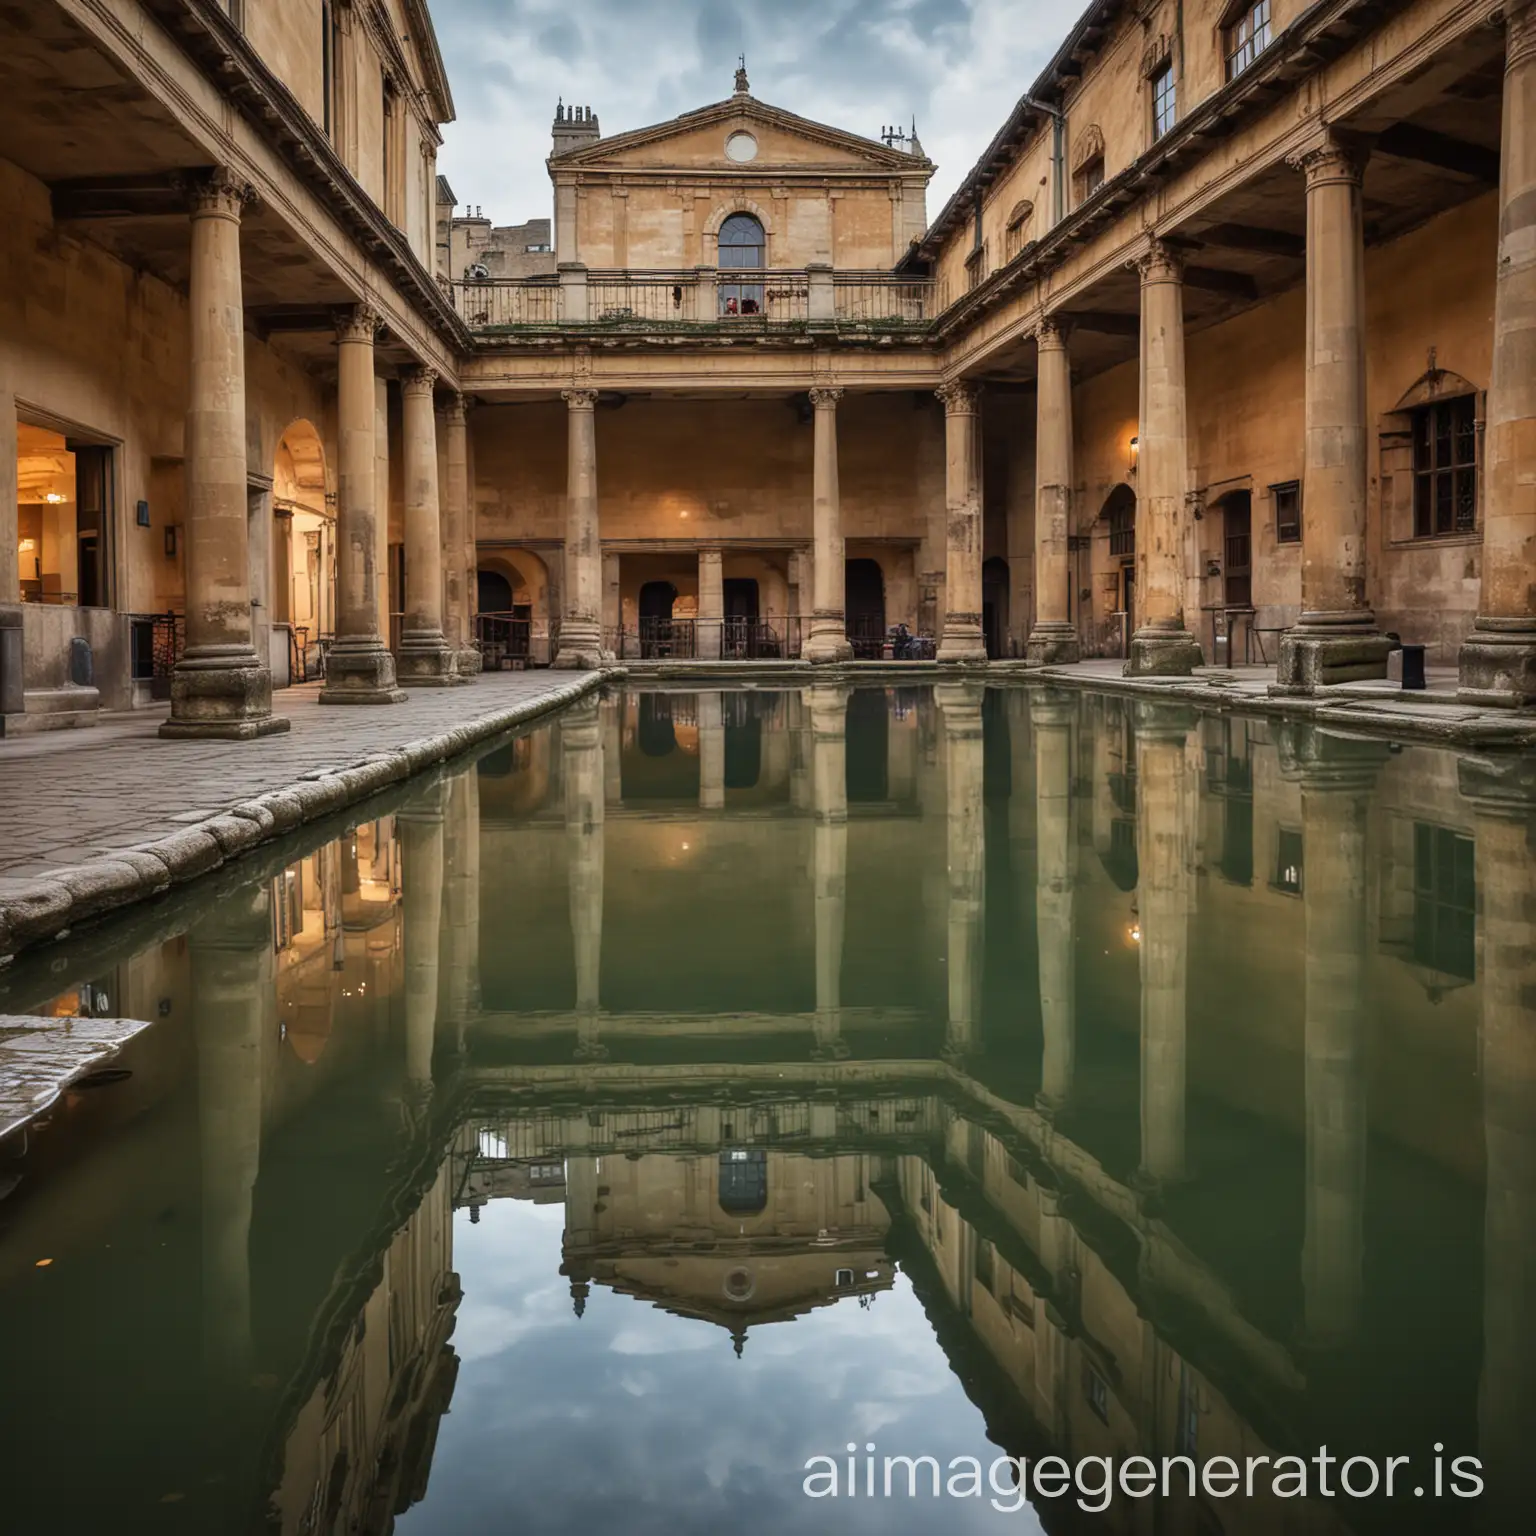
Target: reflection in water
[(950, 1072)]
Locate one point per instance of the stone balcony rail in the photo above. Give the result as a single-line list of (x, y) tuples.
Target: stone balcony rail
[(708, 299)]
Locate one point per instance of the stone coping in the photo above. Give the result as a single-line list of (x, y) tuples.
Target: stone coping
[(40, 1058), (49, 906)]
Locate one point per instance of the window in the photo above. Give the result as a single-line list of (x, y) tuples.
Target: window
[(844, 1280), (1090, 178), (64, 502), (976, 267), (1017, 231), (394, 125), (1445, 467), (1444, 900), (743, 1182), (1287, 512), (743, 247), (1289, 861), (1247, 37), (1122, 528), (984, 1266), (1096, 1390), (330, 68), (236, 10), (1165, 101)]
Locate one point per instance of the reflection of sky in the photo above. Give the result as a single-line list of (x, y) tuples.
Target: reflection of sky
[(635, 1421)]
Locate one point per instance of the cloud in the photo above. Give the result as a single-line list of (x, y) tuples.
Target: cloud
[(957, 66)]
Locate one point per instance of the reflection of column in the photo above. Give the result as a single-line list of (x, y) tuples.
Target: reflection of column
[(1162, 644), (711, 621), (421, 846), (1053, 639), (580, 1226), (580, 629), (233, 999), (581, 746), (221, 687), (828, 639), (1336, 639), (1051, 716), (461, 905), (963, 764), (613, 748), (711, 708), (1504, 793), (1498, 661), (426, 659), (358, 667), (829, 796), (1337, 775), (962, 639), (1163, 896)]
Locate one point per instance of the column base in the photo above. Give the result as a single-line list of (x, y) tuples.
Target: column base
[(360, 672), (1053, 645), (581, 647), (1314, 656), (828, 642), (222, 694), (426, 660), (1497, 664), (468, 661), (962, 639), (1163, 653)]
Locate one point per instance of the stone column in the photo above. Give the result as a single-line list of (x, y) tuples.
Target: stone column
[(711, 751), (221, 687), (963, 768), (1162, 644), (426, 659), (829, 799), (10, 554), (1336, 639), (962, 639), (1337, 775), (282, 565), (581, 628), (1051, 715), (1498, 660), (1163, 839), (1503, 791), (421, 852), (613, 605), (1054, 637), (711, 621), (581, 748), (234, 1000), (458, 556), (359, 669), (828, 638)]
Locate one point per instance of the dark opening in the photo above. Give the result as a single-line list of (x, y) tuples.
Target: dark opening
[(743, 1182), (868, 749), (93, 522), (1237, 545), (493, 592), (743, 740), (994, 607), (655, 733), (864, 587)]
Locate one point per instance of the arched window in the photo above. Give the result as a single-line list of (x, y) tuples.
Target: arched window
[(1017, 230), (743, 247)]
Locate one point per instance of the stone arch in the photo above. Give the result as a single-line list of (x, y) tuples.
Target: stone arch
[(732, 205), (527, 574), (1434, 384)]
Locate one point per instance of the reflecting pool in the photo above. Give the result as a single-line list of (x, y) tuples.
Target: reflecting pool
[(702, 1084)]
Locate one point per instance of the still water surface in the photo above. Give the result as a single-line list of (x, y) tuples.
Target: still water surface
[(703, 1082)]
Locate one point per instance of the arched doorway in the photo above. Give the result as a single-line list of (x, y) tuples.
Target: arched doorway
[(494, 592), (1119, 512), (302, 583), (864, 588), (503, 623), (994, 607), (660, 634)]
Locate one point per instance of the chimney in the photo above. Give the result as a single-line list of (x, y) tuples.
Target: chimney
[(574, 127)]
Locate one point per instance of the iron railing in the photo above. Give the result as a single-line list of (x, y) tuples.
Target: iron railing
[(505, 641), (155, 644)]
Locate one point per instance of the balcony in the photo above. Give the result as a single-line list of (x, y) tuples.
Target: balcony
[(699, 301)]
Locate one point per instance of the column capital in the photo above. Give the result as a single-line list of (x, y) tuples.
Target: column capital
[(453, 408), (825, 397), (219, 193), (1499, 786), (1337, 156), (580, 399), (419, 380), (1160, 263), (1051, 333), (358, 322), (714, 556), (959, 397), (1520, 43)]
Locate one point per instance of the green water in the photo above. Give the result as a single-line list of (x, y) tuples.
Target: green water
[(701, 1083)]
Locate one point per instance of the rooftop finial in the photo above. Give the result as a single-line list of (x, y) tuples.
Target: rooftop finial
[(743, 85)]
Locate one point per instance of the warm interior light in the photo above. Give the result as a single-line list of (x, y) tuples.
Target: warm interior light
[(26, 547), (53, 498), (1135, 933)]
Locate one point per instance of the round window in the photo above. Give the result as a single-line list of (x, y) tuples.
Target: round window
[(741, 147), (739, 1285)]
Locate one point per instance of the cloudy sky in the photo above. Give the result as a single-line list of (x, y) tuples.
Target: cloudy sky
[(958, 65)]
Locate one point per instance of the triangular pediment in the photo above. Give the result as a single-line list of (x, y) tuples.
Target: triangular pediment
[(786, 143)]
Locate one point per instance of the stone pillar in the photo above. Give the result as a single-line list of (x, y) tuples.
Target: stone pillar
[(282, 565), (711, 621), (221, 687), (613, 605), (10, 554), (963, 769), (1054, 637), (421, 852), (1336, 639), (234, 1000), (581, 628), (962, 639), (828, 638), (1503, 791), (1162, 644), (1498, 660), (426, 659), (581, 748), (1337, 775), (458, 548), (829, 798), (711, 751), (359, 669), (1163, 840), (1051, 715)]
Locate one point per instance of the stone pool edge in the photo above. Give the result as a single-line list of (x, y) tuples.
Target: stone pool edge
[(47, 907)]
